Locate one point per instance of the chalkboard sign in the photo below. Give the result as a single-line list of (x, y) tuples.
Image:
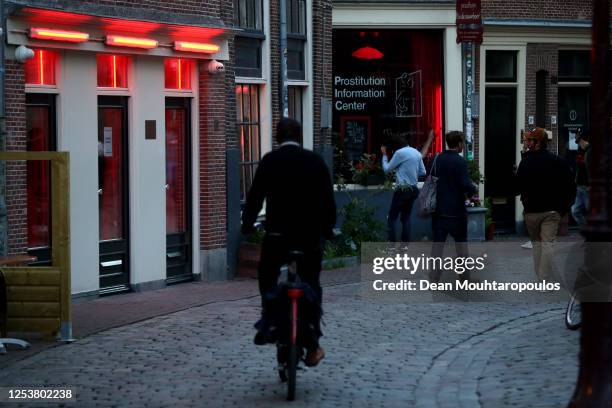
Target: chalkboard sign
[(355, 134)]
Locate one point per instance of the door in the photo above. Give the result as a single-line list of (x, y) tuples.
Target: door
[(178, 191), (574, 110), (500, 155), (113, 193), (40, 133)]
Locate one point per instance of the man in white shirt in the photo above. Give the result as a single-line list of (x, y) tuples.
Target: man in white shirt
[(407, 162)]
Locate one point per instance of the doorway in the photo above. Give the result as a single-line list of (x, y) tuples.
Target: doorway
[(500, 155), (178, 190), (41, 136), (113, 193)]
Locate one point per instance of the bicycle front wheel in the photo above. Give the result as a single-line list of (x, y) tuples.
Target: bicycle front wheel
[(573, 317)]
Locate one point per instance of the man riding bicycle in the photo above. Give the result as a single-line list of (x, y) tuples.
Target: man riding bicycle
[(300, 214)]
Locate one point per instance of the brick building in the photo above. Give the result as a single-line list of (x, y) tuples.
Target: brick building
[(162, 141), (531, 69)]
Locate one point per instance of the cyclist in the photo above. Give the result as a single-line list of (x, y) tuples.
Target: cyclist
[(300, 214)]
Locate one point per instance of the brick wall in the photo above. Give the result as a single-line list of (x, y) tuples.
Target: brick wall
[(537, 9), (212, 142), (321, 65), (16, 192)]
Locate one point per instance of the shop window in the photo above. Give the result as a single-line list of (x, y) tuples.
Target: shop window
[(295, 97), (249, 17), (248, 120), (178, 73), (574, 66), (380, 101), (296, 38), (501, 66), (112, 71), (40, 70)]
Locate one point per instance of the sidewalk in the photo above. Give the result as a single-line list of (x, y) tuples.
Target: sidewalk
[(93, 316)]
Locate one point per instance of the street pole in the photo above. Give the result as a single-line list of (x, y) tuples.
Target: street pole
[(3, 208), (284, 93), (468, 72), (594, 385)]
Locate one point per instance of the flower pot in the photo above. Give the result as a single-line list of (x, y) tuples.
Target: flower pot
[(249, 255), (490, 231)]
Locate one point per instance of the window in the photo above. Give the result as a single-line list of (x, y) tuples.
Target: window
[(501, 66), (249, 17), (295, 97), (112, 71), (177, 73), (574, 66), (40, 70), (247, 99), (296, 38)]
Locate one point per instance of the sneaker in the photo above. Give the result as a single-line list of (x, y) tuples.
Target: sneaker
[(314, 356), (527, 245)]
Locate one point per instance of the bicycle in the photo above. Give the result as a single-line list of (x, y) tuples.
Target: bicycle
[(573, 317)]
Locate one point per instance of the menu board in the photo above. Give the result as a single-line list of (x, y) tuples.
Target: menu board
[(355, 134)]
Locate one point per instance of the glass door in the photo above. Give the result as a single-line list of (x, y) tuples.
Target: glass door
[(40, 133), (178, 191), (113, 193)]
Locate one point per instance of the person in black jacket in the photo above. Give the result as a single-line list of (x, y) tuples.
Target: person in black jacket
[(545, 184), (300, 214), (454, 185)]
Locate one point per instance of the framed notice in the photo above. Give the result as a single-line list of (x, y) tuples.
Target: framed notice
[(355, 134), (108, 142)]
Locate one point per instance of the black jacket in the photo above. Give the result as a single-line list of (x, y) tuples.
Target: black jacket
[(545, 183), (453, 184), (299, 195)]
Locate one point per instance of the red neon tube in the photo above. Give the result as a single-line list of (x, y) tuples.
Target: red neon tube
[(121, 41), (196, 47), (58, 35)]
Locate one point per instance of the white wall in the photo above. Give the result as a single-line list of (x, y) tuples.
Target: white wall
[(453, 81), (78, 134), (147, 172)]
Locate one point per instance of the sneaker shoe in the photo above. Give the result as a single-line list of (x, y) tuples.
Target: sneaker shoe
[(314, 356), (527, 245)]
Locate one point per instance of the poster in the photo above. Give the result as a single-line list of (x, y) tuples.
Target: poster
[(108, 142)]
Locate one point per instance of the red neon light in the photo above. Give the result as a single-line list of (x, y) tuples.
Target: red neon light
[(42, 67), (121, 41), (58, 35), (180, 86), (196, 47), (177, 73), (114, 71), (367, 53)]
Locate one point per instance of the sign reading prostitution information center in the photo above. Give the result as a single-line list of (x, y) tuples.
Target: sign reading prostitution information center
[(469, 21)]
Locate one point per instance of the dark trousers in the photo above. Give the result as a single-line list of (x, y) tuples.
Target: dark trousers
[(456, 227), (275, 253), (401, 205)]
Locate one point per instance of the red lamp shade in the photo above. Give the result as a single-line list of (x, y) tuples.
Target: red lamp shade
[(367, 53)]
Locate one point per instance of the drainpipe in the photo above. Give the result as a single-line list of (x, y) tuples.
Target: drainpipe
[(3, 209), (284, 96)]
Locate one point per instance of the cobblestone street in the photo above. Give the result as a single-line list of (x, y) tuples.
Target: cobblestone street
[(378, 354)]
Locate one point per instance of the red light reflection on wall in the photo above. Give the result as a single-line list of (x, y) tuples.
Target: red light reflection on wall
[(112, 71), (40, 70), (178, 73)]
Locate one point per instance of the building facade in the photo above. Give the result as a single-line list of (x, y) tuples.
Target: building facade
[(399, 70), (165, 108)]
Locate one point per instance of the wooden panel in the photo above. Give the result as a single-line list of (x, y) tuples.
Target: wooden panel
[(33, 309), (33, 293), (30, 155), (30, 325), (32, 276)]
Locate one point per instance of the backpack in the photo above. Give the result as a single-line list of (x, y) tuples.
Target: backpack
[(427, 197)]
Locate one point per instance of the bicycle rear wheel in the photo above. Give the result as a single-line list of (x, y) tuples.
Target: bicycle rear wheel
[(573, 317)]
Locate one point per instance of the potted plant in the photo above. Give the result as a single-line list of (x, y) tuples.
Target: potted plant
[(367, 171), (249, 254), (476, 213)]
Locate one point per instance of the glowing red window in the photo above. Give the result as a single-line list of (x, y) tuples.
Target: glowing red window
[(178, 73), (40, 70), (112, 71)]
